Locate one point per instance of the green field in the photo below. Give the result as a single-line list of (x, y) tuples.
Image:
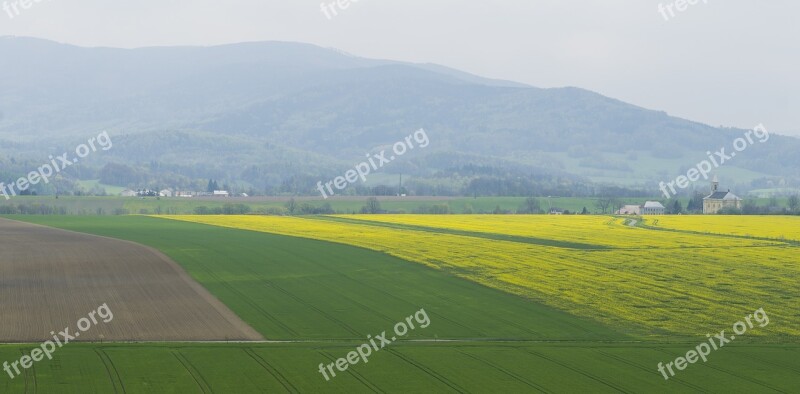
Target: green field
[(461, 367), (331, 296)]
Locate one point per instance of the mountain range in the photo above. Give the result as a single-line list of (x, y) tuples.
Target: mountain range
[(276, 117)]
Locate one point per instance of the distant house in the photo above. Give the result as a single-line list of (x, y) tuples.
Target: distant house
[(165, 193), (556, 211), (718, 200), (146, 193), (630, 210), (221, 193), (653, 208), (128, 193)]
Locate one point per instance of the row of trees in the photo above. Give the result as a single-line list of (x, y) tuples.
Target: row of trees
[(32, 209)]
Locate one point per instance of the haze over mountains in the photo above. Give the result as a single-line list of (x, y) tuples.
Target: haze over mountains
[(277, 117)]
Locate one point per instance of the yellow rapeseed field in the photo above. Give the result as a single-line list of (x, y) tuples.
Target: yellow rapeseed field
[(594, 230), (775, 227), (645, 284)]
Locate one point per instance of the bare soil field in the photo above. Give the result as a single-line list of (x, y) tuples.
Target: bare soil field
[(50, 278)]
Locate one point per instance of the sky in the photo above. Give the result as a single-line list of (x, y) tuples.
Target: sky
[(723, 63)]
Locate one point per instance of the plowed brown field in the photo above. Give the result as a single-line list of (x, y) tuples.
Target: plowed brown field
[(50, 278)]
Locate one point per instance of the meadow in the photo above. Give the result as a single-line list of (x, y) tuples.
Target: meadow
[(328, 294)]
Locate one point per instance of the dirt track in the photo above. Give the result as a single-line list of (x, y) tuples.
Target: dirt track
[(51, 278)]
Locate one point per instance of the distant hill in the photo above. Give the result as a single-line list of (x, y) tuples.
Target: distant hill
[(279, 116)]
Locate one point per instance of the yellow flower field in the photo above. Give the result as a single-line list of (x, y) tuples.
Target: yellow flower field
[(652, 289), (775, 227), (594, 230)]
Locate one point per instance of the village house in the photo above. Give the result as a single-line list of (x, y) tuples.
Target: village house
[(653, 208), (649, 208)]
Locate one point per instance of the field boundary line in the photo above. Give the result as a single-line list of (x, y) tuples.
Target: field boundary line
[(788, 346)]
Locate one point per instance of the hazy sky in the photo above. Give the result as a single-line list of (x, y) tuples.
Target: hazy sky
[(731, 63)]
